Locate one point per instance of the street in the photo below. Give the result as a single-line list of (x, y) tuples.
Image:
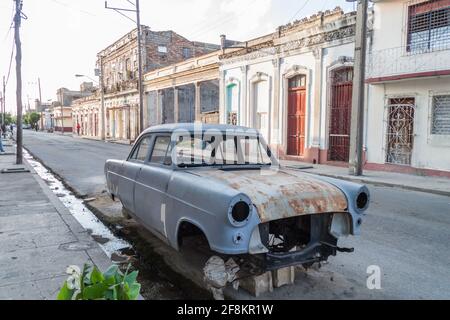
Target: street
[(405, 233)]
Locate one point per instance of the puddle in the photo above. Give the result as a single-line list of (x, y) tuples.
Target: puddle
[(109, 243)]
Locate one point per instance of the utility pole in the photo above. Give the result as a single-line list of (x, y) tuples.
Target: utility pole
[(141, 80), (139, 39), (17, 22), (40, 105), (62, 112), (102, 97), (357, 120), (4, 101)]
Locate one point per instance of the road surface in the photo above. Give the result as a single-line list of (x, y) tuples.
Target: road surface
[(406, 234)]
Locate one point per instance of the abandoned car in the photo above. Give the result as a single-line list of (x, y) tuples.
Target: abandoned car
[(224, 183)]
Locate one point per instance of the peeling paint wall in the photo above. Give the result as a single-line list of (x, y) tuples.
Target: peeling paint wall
[(209, 96), (167, 102), (186, 104)]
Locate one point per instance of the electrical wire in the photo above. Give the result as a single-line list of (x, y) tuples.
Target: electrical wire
[(299, 10), (10, 62), (10, 27), (72, 8), (221, 22)]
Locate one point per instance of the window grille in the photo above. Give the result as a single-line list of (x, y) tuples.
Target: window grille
[(429, 26), (441, 115)]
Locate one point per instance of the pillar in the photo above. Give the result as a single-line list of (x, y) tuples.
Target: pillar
[(176, 107), (275, 118), (316, 113), (198, 107)]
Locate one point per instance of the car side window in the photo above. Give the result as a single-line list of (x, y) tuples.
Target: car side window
[(160, 150), (141, 151)]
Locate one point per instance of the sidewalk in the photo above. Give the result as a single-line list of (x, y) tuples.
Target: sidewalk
[(39, 237), (435, 185)]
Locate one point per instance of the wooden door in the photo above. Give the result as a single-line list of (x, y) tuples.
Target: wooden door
[(340, 115), (297, 116)]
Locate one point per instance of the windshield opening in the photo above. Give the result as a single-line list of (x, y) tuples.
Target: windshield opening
[(220, 150)]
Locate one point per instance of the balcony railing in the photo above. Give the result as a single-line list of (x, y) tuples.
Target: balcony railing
[(414, 59)]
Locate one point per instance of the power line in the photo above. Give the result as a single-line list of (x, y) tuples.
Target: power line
[(10, 62), (10, 27), (221, 22), (299, 10), (72, 8)]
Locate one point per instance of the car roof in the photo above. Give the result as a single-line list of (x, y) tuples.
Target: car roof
[(192, 127)]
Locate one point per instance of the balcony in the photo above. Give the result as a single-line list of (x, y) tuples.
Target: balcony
[(121, 86), (408, 62)]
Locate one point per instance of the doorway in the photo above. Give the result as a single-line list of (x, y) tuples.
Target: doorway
[(296, 116), (400, 131), (340, 114)]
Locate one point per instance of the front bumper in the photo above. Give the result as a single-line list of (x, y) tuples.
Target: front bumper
[(313, 253)]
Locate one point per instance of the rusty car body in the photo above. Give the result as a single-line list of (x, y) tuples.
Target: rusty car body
[(224, 183)]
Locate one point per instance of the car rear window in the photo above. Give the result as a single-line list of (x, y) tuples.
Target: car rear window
[(159, 154)]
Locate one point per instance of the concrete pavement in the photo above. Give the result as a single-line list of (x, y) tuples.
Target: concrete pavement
[(405, 233), (39, 237)]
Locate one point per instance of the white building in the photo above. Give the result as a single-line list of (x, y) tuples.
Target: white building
[(408, 127), (295, 86)]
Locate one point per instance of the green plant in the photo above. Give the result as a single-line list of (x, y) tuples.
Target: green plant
[(31, 118), (91, 284)]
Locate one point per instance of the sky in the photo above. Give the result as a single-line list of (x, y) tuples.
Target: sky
[(60, 38)]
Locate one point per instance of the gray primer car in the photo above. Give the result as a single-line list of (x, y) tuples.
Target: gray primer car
[(223, 182)]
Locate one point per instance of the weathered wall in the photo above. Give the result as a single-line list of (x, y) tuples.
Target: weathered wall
[(209, 96), (186, 104)]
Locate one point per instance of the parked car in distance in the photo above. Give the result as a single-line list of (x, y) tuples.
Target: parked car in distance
[(224, 183), (26, 126)]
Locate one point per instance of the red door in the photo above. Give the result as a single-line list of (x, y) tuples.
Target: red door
[(340, 115), (297, 116)]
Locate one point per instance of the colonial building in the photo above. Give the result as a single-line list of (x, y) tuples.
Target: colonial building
[(62, 118), (119, 65), (86, 113), (62, 110), (408, 127), (295, 86), (184, 92)]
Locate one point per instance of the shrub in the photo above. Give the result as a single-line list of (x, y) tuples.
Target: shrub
[(91, 284)]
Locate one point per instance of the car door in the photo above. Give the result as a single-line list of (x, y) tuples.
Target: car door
[(151, 186), (130, 170)]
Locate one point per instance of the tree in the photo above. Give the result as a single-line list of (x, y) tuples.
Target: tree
[(8, 118), (32, 118)]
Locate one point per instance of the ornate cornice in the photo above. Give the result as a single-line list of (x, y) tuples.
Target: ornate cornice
[(265, 49)]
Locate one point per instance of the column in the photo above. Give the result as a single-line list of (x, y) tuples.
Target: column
[(222, 98), (275, 118), (244, 108), (198, 108), (316, 114), (176, 106)]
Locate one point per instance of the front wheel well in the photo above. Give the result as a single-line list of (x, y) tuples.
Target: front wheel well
[(189, 230)]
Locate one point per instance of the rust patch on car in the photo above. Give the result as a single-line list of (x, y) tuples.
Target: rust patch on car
[(284, 194)]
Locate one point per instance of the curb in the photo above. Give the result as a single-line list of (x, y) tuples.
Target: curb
[(385, 184)]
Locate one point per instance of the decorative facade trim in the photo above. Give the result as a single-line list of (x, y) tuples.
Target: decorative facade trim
[(265, 50)]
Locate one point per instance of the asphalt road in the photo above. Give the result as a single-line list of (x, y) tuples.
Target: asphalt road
[(79, 161), (406, 234)]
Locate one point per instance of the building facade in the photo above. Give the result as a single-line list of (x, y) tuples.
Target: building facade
[(87, 116), (61, 118), (119, 66), (62, 109), (185, 92), (409, 88), (295, 85)]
